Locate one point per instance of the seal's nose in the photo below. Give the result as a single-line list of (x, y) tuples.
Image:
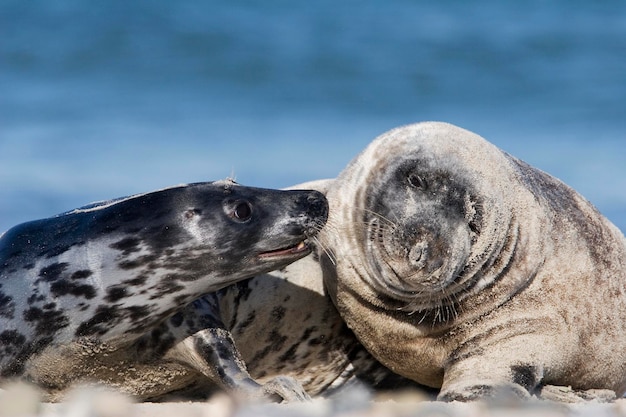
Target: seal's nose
[(318, 206)]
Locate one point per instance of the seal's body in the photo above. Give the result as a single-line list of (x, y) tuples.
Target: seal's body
[(104, 278), (464, 268)]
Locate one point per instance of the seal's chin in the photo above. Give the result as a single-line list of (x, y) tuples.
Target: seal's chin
[(298, 250)]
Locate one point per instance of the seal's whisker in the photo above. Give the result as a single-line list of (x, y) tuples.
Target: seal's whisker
[(318, 225), (380, 216), (423, 316), (327, 251)]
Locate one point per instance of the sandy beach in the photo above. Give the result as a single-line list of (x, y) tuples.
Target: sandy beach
[(21, 400)]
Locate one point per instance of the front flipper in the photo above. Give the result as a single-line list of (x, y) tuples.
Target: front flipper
[(213, 353), (486, 378)]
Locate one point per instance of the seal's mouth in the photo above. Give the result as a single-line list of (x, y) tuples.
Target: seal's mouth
[(299, 249)]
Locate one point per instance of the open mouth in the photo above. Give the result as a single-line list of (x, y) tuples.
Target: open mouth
[(300, 248)]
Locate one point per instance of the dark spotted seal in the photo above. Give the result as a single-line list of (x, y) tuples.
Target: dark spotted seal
[(464, 268), (275, 325), (98, 282)]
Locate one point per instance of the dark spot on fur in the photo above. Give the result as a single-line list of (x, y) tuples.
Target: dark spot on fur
[(12, 337), (63, 287), (278, 313), (138, 312), (127, 245), (47, 321), (137, 281), (7, 306), (18, 366), (243, 292), (138, 262), (525, 375), (307, 333), (276, 340), (53, 271), (181, 299), (99, 322), (116, 293), (160, 340), (247, 321), (35, 298), (260, 355), (317, 341), (290, 354), (81, 274)]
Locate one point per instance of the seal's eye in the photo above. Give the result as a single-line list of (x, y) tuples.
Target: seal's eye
[(242, 211), (416, 181)]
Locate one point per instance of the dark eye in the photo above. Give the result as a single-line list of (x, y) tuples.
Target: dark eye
[(242, 211), (417, 181)]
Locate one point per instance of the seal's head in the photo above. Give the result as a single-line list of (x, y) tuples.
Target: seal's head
[(221, 229), (414, 207)]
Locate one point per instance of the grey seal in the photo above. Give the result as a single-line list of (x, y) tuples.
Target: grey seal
[(88, 291), (463, 268)]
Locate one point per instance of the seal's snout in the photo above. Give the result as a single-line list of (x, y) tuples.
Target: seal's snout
[(318, 205), (315, 206)]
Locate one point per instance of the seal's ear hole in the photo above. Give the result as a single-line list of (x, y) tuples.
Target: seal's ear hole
[(242, 211), (417, 181)]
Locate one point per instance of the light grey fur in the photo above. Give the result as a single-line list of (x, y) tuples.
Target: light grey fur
[(463, 268)]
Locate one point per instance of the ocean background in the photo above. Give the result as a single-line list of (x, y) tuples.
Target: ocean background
[(101, 99)]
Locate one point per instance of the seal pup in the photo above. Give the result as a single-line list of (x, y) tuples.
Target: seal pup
[(465, 269), (98, 282)]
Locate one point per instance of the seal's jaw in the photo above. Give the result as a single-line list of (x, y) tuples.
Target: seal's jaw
[(294, 252)]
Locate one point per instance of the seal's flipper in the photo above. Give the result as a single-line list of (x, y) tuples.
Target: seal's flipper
[(213, 352)]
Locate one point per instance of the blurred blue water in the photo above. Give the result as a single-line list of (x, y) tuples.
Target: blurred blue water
[(104, 99)]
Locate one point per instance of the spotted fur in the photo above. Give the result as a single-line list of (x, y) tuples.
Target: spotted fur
[(104, 278)]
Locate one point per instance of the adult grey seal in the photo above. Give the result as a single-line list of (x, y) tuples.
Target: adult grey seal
[(98, 282), (464, 268)]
